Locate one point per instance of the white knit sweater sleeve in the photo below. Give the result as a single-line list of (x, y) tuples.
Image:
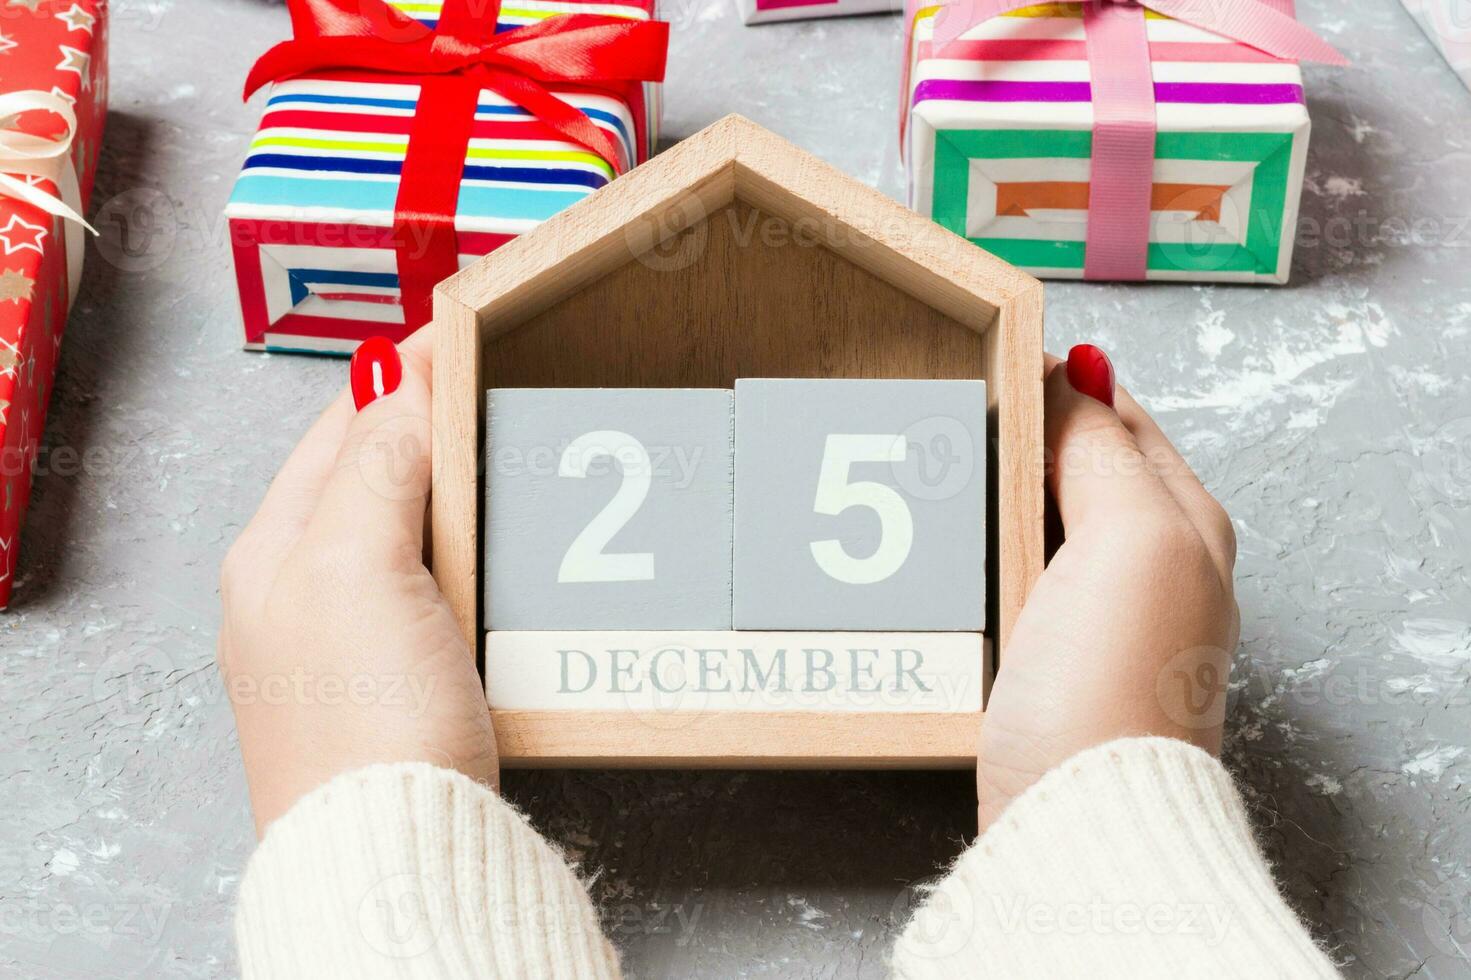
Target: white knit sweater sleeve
[(1132, 860), (413, 872)]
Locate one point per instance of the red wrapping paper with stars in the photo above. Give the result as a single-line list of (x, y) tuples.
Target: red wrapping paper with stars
[(53, 63)]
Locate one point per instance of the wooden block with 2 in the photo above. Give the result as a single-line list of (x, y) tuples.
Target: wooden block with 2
[(608, 508)]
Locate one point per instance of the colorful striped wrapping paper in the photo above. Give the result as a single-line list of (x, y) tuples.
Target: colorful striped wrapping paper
[(999, 136), (311, 216), (770, 11)]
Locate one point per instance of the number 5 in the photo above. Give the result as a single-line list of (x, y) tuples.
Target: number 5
[(835, 495), (585, 560)]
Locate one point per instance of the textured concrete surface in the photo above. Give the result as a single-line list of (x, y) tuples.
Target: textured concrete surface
[(1332, 417)]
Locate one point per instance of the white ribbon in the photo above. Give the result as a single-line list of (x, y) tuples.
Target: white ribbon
[(24, 155)]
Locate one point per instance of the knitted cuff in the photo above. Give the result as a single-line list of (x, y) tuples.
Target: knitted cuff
[(1132, 859), (410, 871)]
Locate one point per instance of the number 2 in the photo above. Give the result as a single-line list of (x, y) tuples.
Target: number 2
[(585, 560), (835, 495)]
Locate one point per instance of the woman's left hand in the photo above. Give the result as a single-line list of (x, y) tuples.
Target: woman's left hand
[(337, 649)]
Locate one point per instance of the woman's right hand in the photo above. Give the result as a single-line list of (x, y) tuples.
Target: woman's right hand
[(1130, 629)]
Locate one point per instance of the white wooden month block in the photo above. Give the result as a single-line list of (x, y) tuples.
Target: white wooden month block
[(608, 508), (860, 505), (652, 675)]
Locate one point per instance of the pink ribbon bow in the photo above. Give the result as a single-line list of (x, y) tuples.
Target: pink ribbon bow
[(1122, 89)]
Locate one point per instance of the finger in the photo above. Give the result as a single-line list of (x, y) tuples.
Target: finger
[(1097, 472), (378, 487), (420, 344), (1202, 509), (292, 496), (289, 503)]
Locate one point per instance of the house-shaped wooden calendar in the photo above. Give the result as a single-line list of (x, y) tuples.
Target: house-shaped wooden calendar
[(696, 374)]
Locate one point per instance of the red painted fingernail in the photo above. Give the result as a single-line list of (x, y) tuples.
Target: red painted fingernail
[(375, 371), (1090, 372)]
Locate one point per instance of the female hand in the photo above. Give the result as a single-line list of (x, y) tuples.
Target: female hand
[(337, 649), (1130, 629)]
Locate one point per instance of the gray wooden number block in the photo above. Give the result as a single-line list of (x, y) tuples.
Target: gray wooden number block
[(860, 505), (608, 508)]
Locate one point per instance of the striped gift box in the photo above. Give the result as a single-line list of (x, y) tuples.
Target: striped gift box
[(311, 216), (1447, 23), (770, 11), (999, 138)]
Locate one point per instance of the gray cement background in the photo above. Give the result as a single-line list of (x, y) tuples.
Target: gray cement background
[(1332, 417)]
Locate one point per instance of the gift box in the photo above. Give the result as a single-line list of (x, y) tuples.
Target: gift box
[(769, 11), (1111, 141), (1448, 25), (387, 158), (53, 104)]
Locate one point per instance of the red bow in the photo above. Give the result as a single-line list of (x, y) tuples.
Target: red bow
[(452, 64)]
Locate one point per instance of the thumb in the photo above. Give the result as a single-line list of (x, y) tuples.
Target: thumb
[(1095, 468), (379, 486)]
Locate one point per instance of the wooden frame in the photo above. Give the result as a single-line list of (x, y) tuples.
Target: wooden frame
[(735, 254)]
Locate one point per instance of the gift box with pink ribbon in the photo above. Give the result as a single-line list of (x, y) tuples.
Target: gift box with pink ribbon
[(405, 138), (1112, 140), (53, 104), (1447, 23)]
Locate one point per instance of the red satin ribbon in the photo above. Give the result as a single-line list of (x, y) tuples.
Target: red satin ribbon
[(452, 65)]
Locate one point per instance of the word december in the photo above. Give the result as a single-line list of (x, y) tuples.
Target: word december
[(724, 670), (644, 671)]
